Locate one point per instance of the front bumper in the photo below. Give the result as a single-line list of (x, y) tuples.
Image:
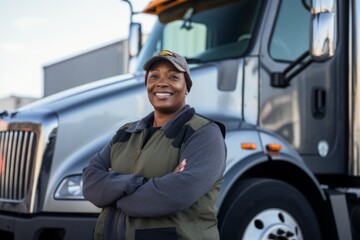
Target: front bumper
[(54, 226)]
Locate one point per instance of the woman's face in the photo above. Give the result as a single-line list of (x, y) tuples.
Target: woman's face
[(166, 87)]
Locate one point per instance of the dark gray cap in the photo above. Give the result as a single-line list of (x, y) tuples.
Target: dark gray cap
[(175, 59)]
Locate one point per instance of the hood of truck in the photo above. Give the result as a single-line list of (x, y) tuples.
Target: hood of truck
[(62, 100)]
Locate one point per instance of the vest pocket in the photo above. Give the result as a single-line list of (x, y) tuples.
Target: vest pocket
[(156, 234)]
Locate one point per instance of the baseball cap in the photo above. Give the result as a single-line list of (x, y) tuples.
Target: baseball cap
[(178, 61)]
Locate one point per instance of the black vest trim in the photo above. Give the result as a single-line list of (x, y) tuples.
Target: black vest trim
[(182, 136), (176, 126), (121, 136)]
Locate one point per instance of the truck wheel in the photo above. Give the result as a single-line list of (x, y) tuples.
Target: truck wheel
[(267, 209)]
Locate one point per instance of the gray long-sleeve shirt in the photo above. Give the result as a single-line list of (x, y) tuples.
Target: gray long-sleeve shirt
[(204, 153), (103, 187)]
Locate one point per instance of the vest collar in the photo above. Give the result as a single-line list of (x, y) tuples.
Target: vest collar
[(146, 121)]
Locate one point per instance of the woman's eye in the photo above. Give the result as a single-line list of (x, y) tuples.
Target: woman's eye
[(174, 77), (153, 76)]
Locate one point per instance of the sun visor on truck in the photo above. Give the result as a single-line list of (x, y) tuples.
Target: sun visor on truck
[(168, 11)]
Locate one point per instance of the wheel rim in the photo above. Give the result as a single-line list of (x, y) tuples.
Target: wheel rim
[(273, 224)]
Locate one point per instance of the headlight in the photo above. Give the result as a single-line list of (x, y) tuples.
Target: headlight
[(70, 188)]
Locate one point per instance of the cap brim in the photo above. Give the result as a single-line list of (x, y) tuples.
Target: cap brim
[(155, 59)]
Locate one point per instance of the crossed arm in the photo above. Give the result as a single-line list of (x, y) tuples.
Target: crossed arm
[(205, 155), (103, 187)]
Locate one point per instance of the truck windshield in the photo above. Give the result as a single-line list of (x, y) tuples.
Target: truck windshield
[(203, 36)]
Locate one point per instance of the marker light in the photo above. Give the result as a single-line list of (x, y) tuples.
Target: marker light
[(248, 146), (273, 147)]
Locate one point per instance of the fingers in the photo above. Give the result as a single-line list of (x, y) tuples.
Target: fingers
[(180, 167)]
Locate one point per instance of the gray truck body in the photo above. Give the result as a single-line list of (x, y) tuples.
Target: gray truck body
[(314, 118)]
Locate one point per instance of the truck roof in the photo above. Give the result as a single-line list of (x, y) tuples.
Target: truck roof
[(158, 7)]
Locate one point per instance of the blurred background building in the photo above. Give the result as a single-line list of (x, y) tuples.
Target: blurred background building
[(103, 62), (100, 63), (13, 102)]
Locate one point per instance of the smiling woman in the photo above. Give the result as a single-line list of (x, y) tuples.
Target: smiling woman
[(166, 89), (157, 174), (168, 82)]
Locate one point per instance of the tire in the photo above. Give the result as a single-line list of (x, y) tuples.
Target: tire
[(267, 209)]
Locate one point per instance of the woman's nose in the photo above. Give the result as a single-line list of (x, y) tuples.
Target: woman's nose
[(162, 82)]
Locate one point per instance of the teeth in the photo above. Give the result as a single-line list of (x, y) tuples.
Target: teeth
[(162, 94)]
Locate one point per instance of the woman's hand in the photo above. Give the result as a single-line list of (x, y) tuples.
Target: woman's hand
[(180, 167)]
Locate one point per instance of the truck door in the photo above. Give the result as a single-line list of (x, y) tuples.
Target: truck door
[(311, 112)]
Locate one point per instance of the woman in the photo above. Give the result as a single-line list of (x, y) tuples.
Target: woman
[(159, 177)]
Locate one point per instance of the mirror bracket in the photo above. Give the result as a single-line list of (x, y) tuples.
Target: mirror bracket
[(282, 79)]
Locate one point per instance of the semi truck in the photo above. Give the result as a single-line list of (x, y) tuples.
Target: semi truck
[(282, 76)]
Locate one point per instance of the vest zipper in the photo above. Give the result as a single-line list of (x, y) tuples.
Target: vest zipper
[(118, 227), (136, 161), (139, 152)]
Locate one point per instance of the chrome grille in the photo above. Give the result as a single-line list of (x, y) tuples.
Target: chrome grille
[(17, 151)]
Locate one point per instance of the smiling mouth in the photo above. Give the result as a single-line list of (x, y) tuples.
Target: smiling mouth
[(163, 94)]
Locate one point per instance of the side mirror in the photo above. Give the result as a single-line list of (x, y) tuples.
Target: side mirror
[(134, 39), (323, 29)]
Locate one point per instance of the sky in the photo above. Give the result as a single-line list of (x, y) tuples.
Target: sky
[(36, 33)]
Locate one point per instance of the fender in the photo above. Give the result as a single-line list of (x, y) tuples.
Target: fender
[(237, 167), (237, 170)]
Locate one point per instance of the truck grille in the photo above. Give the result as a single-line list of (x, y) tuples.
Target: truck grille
[(17, 151)]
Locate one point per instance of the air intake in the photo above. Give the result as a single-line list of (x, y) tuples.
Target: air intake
[(17, 151)]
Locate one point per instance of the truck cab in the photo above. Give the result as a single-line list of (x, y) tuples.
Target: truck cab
[(282, 76)]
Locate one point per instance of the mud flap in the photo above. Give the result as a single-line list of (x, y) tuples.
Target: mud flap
[(341, 215)]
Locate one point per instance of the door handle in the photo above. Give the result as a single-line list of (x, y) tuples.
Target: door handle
[(318, 102)]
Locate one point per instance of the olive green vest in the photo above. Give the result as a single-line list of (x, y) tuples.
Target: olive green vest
[(158, 157)]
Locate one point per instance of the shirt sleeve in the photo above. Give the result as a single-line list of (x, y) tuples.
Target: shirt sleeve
[(205, 153), (102, 187)]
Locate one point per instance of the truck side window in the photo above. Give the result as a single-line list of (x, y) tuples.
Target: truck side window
[(290, 37), (174, 35)]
